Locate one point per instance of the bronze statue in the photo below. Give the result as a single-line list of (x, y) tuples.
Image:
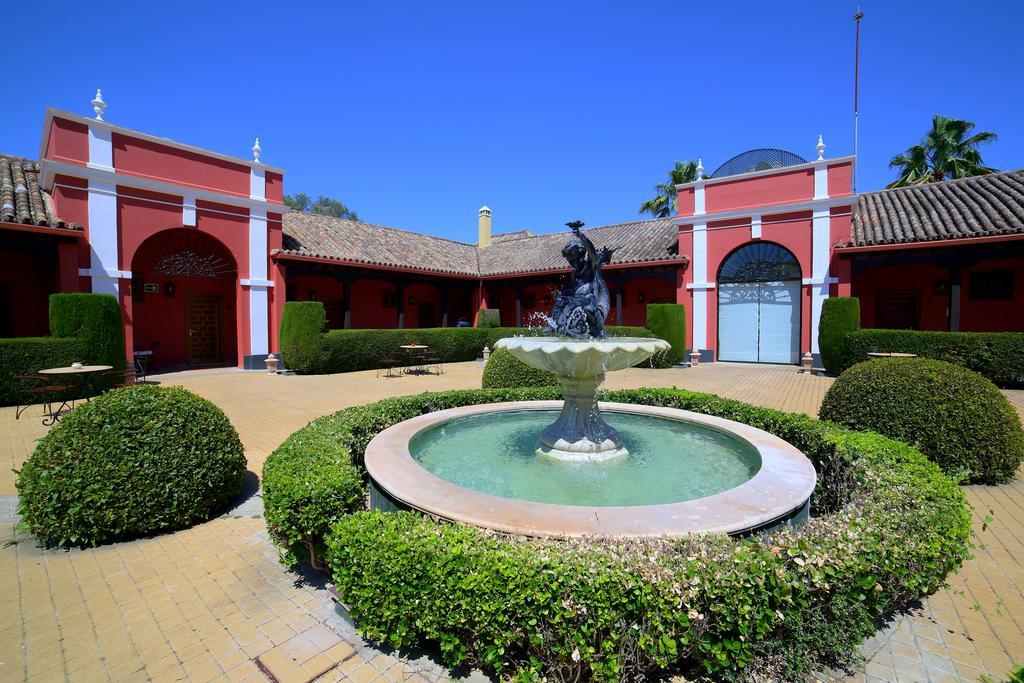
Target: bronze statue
[(580, 309)]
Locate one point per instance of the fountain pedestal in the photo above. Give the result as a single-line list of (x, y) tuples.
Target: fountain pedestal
[(579, 434)]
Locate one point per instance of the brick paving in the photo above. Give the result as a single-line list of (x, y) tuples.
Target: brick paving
[(212, 602)]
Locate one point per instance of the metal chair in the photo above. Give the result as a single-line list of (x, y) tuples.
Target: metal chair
[(113, 379), (47, 390), (388, 364), (432, 359)]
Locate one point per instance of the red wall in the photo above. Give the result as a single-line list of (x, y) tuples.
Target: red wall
[(69, 141), (993, 316), (758, 191), (28, 281), (933, 308), (152, 160)]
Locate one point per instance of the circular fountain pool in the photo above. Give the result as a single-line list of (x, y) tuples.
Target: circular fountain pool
[(685, 473)]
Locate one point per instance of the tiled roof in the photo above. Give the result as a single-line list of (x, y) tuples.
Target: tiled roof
[(636, 242), (22, 200), (307, 234), (982, 206)]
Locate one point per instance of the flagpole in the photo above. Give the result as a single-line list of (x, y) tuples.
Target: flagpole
[(856, 93)]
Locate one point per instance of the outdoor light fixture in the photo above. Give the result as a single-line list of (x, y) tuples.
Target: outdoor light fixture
[(169, 289), (941, 287), (642, 297), (411, 300)]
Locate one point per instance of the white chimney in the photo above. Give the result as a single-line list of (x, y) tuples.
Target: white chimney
[(484, 227)]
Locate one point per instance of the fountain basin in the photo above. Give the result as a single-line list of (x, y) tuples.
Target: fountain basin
[(579, 434), (778, 487)]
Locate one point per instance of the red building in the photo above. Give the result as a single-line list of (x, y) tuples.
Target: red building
[(202, 253)]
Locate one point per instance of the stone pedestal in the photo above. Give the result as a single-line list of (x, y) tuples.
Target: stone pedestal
[(579, 434)]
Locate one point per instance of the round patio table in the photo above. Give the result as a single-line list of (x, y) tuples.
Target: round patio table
[(415, 351), (80, 375)]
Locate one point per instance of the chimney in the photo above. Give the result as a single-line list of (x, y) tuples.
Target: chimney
[(484, 226)]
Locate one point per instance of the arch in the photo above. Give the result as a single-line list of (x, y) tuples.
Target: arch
[(761, 159), (759, 262), (186, 308)]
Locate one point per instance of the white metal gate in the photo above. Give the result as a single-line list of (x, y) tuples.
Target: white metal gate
[(759, 322)]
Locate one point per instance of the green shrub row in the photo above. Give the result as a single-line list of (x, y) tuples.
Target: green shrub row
[(839, 317), (956, 417), (505, 371), (132, 461), (349, 350), (996, 355), (887, 528), (668, 322)]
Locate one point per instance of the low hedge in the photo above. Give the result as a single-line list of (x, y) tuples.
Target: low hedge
[(996, 355), (132, 461), (350, 350), (956, 417), (887, 527), (839, 317), (505, 371), (668, 322), (29, 355), (301, 335)]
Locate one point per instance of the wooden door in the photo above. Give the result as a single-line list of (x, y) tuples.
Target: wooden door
[(203, 320)]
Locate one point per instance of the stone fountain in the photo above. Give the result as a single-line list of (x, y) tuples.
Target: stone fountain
[(581, 355)]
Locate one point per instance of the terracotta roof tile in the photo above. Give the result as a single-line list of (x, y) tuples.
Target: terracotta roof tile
[(956, 209), (22, 200), (307, 234)]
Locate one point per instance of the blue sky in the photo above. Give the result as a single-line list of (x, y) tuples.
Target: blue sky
[(417, 113)]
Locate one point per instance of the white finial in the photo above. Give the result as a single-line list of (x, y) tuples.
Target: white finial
[(256, 151), (700, 168), (98, 105), (821, 148)]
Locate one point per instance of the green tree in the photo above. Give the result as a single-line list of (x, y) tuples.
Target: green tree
[(323, 205), (948, 151), (663, 204)]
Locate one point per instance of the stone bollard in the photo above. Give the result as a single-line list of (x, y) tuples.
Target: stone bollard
[(487, 351), (807, 362), (694, 358), (271, 364)]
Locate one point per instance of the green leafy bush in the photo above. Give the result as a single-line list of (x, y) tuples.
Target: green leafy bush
[(668, 322), (505, 371), (956, 417), (996, 355), (839, 317), (302, 326), (350, 350), (887, 528), (95, 320), (488, 317), (29, 355), (136, 460)]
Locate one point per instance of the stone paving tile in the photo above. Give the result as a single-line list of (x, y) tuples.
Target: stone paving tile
[(212, 602)]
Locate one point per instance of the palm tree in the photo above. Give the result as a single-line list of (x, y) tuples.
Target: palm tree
[(948, 151), (664, 203)]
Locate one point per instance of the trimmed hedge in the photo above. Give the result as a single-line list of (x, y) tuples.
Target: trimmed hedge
[(95, 320), (136, 460), (302, 326), (488, 317), (29, 355), (668, 322), (839, 317), (505, 371), (996, 355), (350, 350), (887, 528), (956, 417)]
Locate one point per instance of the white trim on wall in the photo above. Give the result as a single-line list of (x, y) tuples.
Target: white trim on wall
[(101, 150), (258, 321), (770, 171), (821, 233), (257, 184), (755, 227), (188, 209), (765, 210), (701, 285), (103, 242), (100, 272), (821, 180), (700, 276), (698, 198), (249, 282)]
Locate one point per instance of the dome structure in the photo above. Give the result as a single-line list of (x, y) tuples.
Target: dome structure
[(761, 159)]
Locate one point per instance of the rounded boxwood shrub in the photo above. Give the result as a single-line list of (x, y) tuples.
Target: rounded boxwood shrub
[(136, 460), (839, 317), (955, 416), (505, 371), (887, 527)]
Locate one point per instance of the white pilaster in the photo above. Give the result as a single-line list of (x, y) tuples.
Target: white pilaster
[(188, 209), (700, 277), (755, 227), (104, 268), (101, 149), (257, 183), (698, 198), (821, 228), (258, 300)]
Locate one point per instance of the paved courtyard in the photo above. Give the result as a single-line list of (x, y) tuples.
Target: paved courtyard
[(212, 602)]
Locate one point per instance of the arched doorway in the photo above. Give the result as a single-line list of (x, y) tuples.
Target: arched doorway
[(183, 300), (759, 305)]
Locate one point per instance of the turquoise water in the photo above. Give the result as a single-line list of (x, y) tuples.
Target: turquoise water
[(669, 461)]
